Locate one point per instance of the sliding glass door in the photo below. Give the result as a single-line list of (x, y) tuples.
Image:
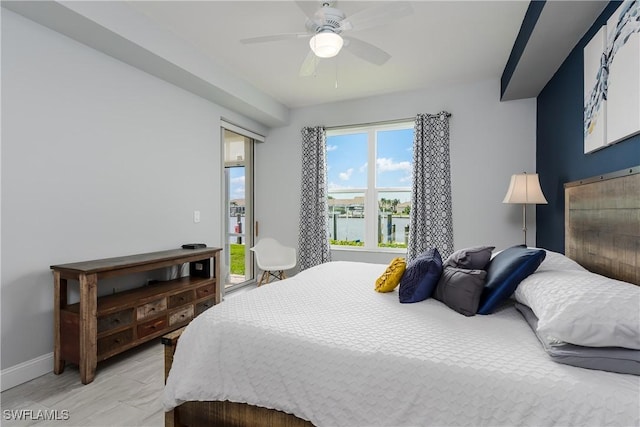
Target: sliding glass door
[(238, 202)]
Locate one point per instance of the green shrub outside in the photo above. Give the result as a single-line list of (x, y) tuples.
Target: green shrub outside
[(360, 243)]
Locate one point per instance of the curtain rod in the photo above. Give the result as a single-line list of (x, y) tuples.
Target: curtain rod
[(385, 122)]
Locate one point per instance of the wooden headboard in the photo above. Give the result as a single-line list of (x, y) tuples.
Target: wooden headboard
[(602, 224)]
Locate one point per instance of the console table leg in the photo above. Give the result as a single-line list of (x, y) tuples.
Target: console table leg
[(60, 300), (216, 275), (88, 327)]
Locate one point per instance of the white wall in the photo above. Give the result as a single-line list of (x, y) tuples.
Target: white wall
[(99, 159), (490, 141)]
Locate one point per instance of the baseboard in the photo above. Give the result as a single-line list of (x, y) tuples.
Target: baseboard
[(26, 371)]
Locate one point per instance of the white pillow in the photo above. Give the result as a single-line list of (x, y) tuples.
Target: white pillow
[(557, 261), (553, 261), (583, 308)]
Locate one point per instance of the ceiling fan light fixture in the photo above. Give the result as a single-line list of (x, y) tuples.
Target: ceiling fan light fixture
[(326, 44)]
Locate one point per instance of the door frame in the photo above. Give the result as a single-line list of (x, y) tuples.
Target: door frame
[(249, 232)]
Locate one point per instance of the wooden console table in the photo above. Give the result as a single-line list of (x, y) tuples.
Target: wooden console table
[(95, 329)]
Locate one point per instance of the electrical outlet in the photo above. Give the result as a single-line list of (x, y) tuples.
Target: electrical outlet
[(196, 216)]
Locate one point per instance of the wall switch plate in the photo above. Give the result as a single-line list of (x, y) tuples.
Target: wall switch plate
[(196, 216)]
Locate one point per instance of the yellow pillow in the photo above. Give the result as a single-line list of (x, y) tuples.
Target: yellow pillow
[(392, 275)]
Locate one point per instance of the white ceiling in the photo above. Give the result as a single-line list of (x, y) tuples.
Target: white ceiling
[(441, 43), (196, 45)]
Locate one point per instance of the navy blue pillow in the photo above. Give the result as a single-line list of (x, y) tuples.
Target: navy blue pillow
[(505, 272), (421, 276)]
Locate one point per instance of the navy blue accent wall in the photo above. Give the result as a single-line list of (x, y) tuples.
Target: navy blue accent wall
[(560, 154), (528, 24)]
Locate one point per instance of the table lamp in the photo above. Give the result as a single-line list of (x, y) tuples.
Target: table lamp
[(525, 189)]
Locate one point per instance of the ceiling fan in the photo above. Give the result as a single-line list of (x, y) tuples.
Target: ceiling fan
[(326, 25)]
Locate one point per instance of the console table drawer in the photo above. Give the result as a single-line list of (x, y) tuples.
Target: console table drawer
[(203, 305), (181, 315), (152, 326), (115, 320), (152, 308), (205, 291), (114, 341), (181, 299)]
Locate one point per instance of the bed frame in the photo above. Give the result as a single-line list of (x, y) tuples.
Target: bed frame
[(602, 226), (206, 414)]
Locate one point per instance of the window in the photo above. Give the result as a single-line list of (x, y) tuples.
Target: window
[(369, 178)]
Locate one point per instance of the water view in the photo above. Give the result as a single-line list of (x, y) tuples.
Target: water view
[(391, 229)]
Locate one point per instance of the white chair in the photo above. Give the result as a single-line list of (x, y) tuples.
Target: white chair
[(273, 259)]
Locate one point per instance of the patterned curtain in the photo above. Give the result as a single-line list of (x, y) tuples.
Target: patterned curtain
[(314, 211), (430, 218)]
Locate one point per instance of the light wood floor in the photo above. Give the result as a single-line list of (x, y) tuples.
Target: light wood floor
[(127, 391)]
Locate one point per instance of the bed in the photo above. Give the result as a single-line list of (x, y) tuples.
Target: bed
[(322, 348)]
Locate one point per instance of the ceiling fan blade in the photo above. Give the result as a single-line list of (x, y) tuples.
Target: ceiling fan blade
[(376, 16), (274, 38), (309, 8), (308, 67), (366, 51)]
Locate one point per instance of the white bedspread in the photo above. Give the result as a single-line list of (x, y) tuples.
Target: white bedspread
[(326, 347)]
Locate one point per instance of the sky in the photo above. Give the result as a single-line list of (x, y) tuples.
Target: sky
[(236, 176), (347, 163), (347, 160)]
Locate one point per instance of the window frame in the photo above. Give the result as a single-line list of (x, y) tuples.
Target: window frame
[(371, 192)]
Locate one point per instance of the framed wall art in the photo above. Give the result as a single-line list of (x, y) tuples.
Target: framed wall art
[(612, 79)]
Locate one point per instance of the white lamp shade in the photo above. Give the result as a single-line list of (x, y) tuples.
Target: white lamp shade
[(525, 188), (326, 44)]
